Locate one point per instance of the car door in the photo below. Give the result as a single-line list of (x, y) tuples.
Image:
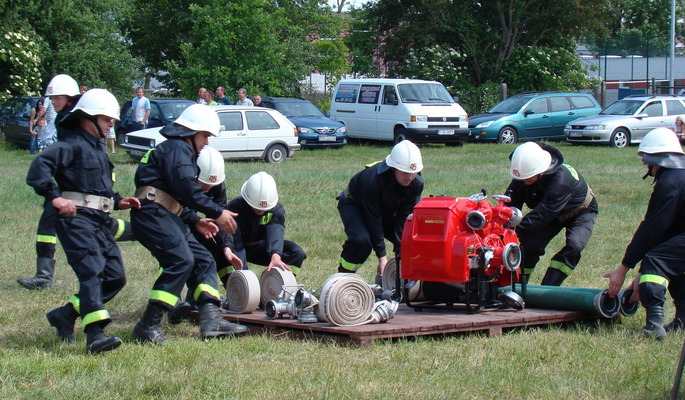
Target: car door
[(233, 136), (388, 113), (560, 114), (652, 117), (536, 119), (262, 129)]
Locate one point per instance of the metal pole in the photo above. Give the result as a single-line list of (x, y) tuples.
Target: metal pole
[(670, 72)]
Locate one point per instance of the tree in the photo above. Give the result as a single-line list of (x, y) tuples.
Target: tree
[(487, 33), (20, 61)]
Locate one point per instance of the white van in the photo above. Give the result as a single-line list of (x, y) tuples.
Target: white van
[(397, 109)]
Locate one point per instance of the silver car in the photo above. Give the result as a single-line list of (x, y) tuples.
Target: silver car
[(626, 121)]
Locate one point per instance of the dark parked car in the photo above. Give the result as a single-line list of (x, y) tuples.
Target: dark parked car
[(14, 120), (162, 111), (314, 128)]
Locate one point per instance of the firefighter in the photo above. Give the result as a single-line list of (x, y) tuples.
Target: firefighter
[(558, 198), (260, 237), (659, 241), (166, 181), (375, 205), (64, 93), (75, 177), (211, 180)]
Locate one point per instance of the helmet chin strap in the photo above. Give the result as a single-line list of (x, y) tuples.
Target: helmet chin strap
[(650, 171)]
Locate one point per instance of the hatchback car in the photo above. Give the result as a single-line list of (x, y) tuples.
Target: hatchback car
[(162, 111), (626, 121), (536, 115), (246, 133), (14, 120), (315, 129)]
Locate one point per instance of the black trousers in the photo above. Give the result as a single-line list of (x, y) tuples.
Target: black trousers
[(95, 258), (666, 261), (578, 231), (358, 246), (179, 254)]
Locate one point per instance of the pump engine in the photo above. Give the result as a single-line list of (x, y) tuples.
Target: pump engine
[(462, 250)]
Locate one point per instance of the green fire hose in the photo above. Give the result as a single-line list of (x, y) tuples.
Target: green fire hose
[(596, 301)]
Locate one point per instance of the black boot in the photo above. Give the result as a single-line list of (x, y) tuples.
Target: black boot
[(213, 326), (654, 328), (63, 318), (97, 341), (179, 313), (553, 277), (45, 269), (678, 322), (149, 328)]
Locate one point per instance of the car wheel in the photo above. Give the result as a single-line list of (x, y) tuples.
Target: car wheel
[(400, 135), (121, 134), (275, 154), (620, 138), (507, 135)]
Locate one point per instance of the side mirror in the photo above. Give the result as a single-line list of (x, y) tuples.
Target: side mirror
[(528, 112), (456, 99), (643, 115)]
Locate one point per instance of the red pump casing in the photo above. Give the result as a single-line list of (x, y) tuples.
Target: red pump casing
[(438, 244)]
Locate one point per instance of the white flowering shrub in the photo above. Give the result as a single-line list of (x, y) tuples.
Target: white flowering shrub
[(436, 63), (19, 61)]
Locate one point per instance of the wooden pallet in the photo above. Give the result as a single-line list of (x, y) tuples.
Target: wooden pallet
[(409, 323)]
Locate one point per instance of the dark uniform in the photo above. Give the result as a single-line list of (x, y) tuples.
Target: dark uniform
[(258, 237), (561, 199), (660, 243), (46, 237), (79, 163), (171, 168), (374, 206)]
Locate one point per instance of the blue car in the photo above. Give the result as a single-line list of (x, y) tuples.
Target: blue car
[(314, 128), (526, 116)]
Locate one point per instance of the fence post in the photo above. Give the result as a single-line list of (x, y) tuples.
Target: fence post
[(502, 92)]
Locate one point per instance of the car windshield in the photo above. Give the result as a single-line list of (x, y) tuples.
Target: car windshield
[(623, 107), (424, 93), (298, 109), (173, 110), (511, 105)]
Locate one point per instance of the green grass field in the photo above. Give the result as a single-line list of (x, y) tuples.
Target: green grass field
[(578, 361)]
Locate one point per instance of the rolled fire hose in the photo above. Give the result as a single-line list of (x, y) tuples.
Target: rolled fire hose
[(346, 299), (595, 301), (628, 309), (271, 283), (389, 280), (242, 291)]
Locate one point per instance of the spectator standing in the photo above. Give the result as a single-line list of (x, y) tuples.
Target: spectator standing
[(221, 97), (209, 98), (242, 98), (37, 133), (679, 127), (140, 110), (257, 101), (83, 89), (111, 138), (37, 112), (201, 95)]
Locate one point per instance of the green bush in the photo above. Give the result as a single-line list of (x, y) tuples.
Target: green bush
[(477, 100)]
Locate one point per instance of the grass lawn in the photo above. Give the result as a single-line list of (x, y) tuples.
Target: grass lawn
[(579, 361)]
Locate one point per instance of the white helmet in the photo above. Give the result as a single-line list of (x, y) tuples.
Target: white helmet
[(529, 159), (260, 191), (406, 157), (62, 85), (659, 140), (98, 102), (211, 164), (199, 117)]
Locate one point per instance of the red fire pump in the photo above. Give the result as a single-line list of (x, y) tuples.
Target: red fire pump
[(462, 250)]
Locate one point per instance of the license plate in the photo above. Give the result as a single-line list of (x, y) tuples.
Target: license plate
[(445, 131), (326, 138), (136, 153), (575, 134)]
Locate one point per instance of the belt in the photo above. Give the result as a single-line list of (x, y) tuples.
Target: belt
[(95, 202), (586, 203), (160, 197)]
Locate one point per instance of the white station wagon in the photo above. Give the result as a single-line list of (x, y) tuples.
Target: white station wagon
[(246, 133)]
